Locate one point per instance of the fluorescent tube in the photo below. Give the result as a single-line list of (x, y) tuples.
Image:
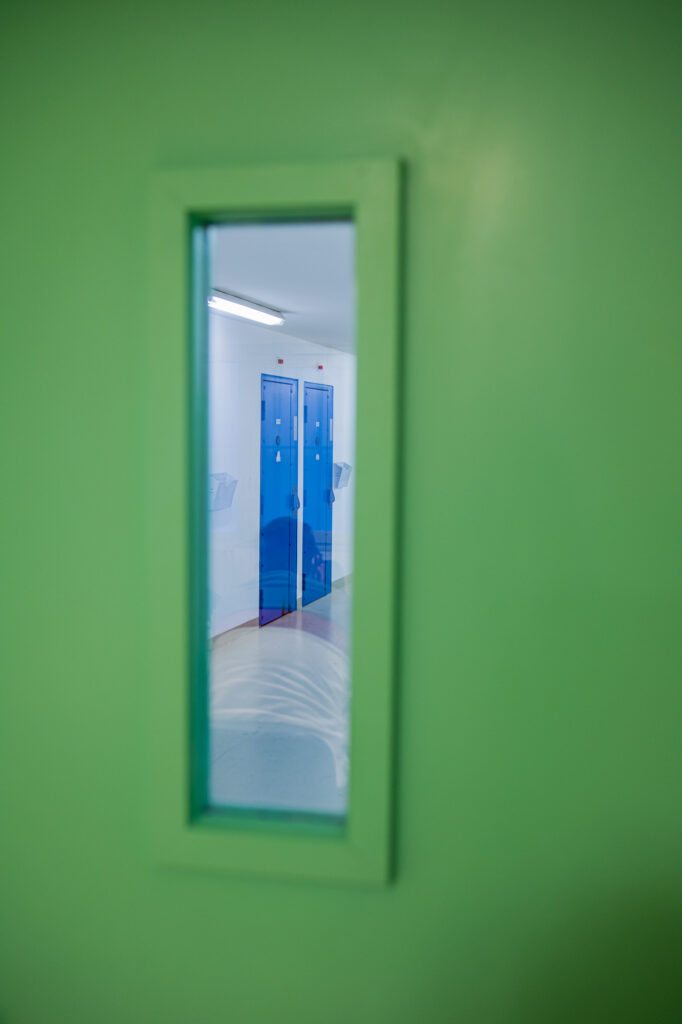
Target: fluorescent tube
[(248, 312)]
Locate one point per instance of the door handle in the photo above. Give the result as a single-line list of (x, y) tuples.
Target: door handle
[(331, 498), (295, 501)]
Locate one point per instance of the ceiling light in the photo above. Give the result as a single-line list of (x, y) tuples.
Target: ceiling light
[(235, 306)]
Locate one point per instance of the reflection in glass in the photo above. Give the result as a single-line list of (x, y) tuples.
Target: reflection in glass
[(281, 437)]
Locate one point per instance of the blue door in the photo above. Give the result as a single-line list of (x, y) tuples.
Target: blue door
[(279, 502), (318, 494)]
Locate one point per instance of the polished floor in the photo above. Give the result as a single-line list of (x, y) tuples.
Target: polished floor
[(279, 711)]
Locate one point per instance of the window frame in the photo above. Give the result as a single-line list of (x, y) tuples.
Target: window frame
[(184, 831)]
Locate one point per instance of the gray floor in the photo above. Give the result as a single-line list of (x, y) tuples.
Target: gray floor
[(279, 711)]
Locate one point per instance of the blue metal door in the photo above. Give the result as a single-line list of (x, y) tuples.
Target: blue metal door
[(318, 493), (279, 502)]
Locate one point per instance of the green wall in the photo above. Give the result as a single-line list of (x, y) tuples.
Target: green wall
[(539, 833)]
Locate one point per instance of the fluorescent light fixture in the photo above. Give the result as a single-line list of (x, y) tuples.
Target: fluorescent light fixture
[(235, 306)]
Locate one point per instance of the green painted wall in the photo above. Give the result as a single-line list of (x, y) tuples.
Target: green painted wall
[(539, 841)]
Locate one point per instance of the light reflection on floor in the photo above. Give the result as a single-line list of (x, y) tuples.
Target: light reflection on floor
[(279, 711)]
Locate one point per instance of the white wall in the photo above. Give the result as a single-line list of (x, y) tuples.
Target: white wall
[(238, 353)]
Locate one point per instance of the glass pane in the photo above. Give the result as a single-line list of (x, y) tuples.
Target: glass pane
[(281, 443)]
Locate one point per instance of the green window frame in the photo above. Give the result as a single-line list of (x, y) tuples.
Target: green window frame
[(185, 832)]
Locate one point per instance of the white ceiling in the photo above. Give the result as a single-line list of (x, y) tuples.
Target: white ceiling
[(305, 270)]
